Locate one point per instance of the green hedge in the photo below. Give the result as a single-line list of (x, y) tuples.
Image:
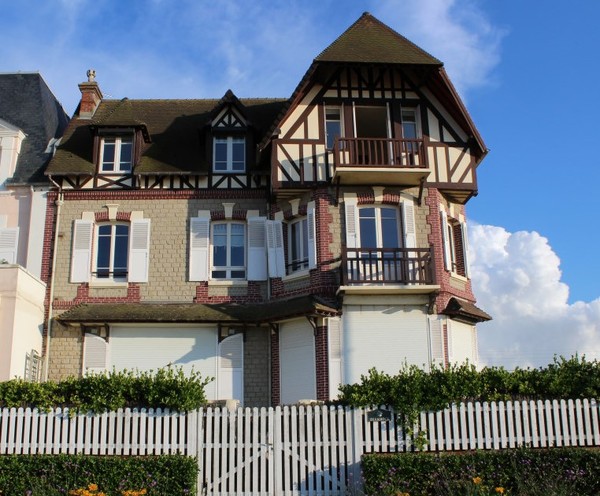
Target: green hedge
[(54, 475), (165, 388), (556, 471)]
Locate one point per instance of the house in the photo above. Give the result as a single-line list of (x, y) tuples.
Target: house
[(280, 246), (31, 122)]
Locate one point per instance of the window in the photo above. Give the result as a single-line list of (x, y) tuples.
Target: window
[(379, 227), (409, 123), (229, 154), (117, 154), (228, 241), (333, 125), (297, 245), (454, 236), (112, 251)]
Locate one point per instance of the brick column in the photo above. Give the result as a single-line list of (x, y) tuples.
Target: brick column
[(275, 379), (321, 363)]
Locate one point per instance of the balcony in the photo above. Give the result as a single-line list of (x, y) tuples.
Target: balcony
[(387, 266), (381, 161)]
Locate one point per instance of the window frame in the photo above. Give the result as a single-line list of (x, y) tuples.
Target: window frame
[(230, 140), (112, 250), (378, 226), (302, 263), (228, 269), (340, 120), (417, 122), (117, 164)]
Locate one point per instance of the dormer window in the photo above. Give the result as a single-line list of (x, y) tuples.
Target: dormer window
[(229, 154), (116, 154)]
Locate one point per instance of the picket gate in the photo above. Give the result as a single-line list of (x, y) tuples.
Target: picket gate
[(294, 450)]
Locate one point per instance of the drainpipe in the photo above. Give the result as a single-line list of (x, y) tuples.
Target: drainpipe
[(59, 202)]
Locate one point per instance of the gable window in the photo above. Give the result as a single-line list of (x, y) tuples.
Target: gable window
[(333, 125), (112, 251), (298, 245), (228, 241), (409, 123), (117, 154), (229, 154)]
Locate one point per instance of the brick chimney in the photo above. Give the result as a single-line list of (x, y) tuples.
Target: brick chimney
[(90, 96)]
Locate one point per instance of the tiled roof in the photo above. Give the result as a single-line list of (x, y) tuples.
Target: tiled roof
[(176, 129), (369, 40), (196, 313), (27, 103), (464, 310)]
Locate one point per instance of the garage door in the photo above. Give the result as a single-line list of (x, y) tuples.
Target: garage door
[(150, 348), (297, 362), (384, 337)]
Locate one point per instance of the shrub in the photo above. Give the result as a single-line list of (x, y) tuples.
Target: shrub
[(165, 388), (556, 471), (54, 475)]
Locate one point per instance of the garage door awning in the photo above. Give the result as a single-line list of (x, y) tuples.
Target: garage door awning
[(86, 313)]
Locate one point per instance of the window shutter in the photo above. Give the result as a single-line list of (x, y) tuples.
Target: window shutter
[(82, 250), (9, 241), (449, 340), (95, 351), (446, 241), (199, 247), (257, 249), (334, 326), (230, 375), (139, 250), (312, 236), (275, 248), (351, 212), (435, 338), (408, 223), (465, 246)]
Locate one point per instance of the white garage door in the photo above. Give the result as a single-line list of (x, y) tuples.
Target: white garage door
[(151, 348), (384, 337), (297, 362)]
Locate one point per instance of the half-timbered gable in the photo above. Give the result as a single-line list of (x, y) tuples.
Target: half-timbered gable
[(304, 240)]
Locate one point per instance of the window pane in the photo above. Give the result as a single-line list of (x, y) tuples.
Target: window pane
[(103, 255), (238, 162), (108, 156), (304, 239), (219, 242), (333, 125), (125, 161), (237, 245), (409, 124), (389, 228), (368, 235), (121, 249), (220, 158)]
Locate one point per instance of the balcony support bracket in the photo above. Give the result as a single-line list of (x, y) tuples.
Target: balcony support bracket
[(421, 187)]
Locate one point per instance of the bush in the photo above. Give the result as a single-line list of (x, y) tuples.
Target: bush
[(165, 388), (54, 475), (556, 471)]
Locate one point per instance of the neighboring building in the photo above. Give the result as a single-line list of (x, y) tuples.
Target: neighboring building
[(31, 121), (280, 246)]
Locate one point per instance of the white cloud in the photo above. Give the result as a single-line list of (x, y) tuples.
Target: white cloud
[(517, 279), (455, 31)]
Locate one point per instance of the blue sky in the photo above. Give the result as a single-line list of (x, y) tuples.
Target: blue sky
[(528, 77)]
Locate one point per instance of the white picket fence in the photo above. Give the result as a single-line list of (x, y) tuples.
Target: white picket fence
[(297, 449)]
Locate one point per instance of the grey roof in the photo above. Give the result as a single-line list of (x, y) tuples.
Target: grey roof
[(27, 103)]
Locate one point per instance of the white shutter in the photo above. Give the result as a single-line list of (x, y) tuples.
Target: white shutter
[(95, 351), (275, 248), (465, 247), (9, 241), (139, 250), (449, 337), (408, 223), (257, 249), (82, 250), (351, 212), (335, 356), (436, 340), (230, 375), (312, 238), (199, 247), (446, 240)]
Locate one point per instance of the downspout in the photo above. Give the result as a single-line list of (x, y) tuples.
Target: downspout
[(59, 202)]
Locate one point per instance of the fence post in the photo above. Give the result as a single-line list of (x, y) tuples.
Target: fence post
[(199, 436), (357, 443)]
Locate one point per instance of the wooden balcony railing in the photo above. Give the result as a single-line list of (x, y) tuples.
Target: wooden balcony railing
[(387, 265), (380, 152)]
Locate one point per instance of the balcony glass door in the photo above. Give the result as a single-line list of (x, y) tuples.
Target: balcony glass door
[(379, 242), (371, 127)]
